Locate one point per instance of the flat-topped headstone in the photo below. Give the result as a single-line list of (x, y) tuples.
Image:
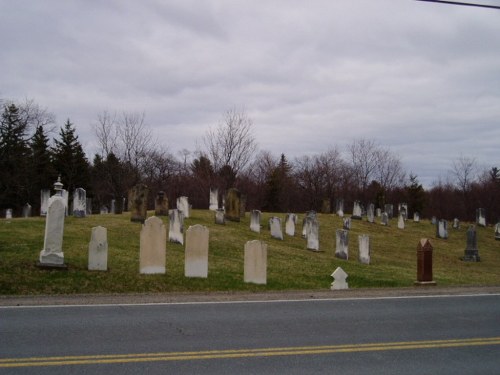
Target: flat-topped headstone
[(389, 210), (161, 204), (44, 201), (384, 218), (213, 204), (339, 209), (342, 244), (497, 231), (255, 221), (456, 223), (416, 217), (52, 253), (290, 223), (364, 248), (183, 205), (312, 234), (346, 223), (255, 266), (79, 203), (339, 279), (471, 251), (481, 217), (233, 205), (370, 213), (196, 253), (176, 226), (356, 211), (138, 203), (401, 221), (220, 217), (98, 249), (153, 246), (424, 263), (27, 210), (8, 213), (275, 226), (442, 229)]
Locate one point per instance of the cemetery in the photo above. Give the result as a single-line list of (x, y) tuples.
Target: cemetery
[(108, 254)]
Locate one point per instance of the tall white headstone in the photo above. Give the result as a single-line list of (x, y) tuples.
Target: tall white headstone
[(176, 226), (276, 231), (153, 246), (196, 253), (44, 201), (401, 221), (255, 221), (312, 234), (255, 269), (342, 244), (214, 199), (364, 248), (52, 253), (79, 202), (98, 249), (290, 222), (183, 205), (8, 213)]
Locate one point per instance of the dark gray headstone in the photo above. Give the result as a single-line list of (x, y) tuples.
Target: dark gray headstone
[(471, 251)]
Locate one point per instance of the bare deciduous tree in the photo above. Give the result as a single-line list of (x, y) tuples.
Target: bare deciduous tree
[(388, 170), (363, 153), (464, 172), (106, 132)]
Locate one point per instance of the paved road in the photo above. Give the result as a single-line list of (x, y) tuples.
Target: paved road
[(396, 335)]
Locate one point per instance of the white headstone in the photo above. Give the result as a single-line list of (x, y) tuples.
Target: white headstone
[(364, 248), (255, 221), (153, 246), (196, 253), (339, 279), (44, 201), (342, 244), (275, 224), (214, 199), (481, 217), (497, 231), (176, 226), (347, 223), (98, 249), (255, 269), (290, 222), (79, 202), (370, 213), (112, 210), (384, 218), (65, 195), (52, 253), (456, 223), (312, 234), (356, 210), (378, 212), (8, 213), (416, 217), (340, 207), (27, 210), (183, 205), (220, 217), (401, 221), (442, 229)]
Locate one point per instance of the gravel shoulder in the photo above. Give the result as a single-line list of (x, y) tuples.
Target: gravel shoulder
[(119, 299)]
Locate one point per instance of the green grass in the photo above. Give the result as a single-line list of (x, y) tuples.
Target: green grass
[(290, 265)]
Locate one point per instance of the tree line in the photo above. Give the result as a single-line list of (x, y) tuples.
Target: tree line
[(228, 157)]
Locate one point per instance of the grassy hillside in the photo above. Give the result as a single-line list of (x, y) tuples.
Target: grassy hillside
[(290, 265)]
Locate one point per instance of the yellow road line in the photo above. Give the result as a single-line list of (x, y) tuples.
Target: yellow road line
[(242, 353)]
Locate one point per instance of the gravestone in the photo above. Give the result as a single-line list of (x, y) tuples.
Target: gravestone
[(27, 210), (389, 210), (153, 246), (481, 217), (176, 226), (138, 203), (339, 209), (104, 210), (44, 201), (8, 213), (255, 266), (347, 223), (442, 229), (213, 199), (233, 205), (434, 220), (403, 210), (161, 204), (88, 206), (342, 244), (339, 279), (65, 195), (378, 212), (79, 203), (424, 263), (255, 221), (290, 222), (370, 213), (220, 217), (112, 210), (497, 231), (312, 234), (384, 218), (98, 249), (196, 253), (275, 225), (356, 211), (416, 217), (401, 221), (326, 206), (183, 205), (456, 223), (471, 251), (364, 248)]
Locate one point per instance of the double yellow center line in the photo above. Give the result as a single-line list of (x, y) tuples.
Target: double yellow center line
[(242, 353)]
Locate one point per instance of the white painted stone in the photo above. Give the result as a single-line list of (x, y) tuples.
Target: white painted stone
[(356, 210), (8, 213), (364, 248), (255, 221), (196, 253), (442, 229), (342, 244), (290, 222), (183, 205), (255, 268), (153, 246), (176, 226), (312, 234), (214, 199), (401, 221), (98, 249), (275, 224), (339, 279), (54, 229)]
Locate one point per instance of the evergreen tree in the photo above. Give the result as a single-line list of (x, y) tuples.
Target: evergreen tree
[(14, 159), (277, 183), (416, 195), (43, 173), (70, 160)]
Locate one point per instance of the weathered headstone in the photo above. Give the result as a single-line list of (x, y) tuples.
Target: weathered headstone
[(456, 223), (98, 249), (342, 244), (65, 195), (79, 202), (339, 279), (340, 207), (255, 267), (8, 213), (27, 210), (497, 231), (401, 221), (389, 210), (434, 220), (310, 215), (442, 229), (364, 248), (290, 222), (384, 218), (233, 205), (213, 199), (416, 217), (44, 201), (312, 234), (275, 225), (183, 205), (326, 206), (424, 263), (153, 246), (220, 217), (356, 211), (370, 213), (176, 226), (196, 253), (403, 210), (481, 217), (161, 204), (471, 251), (104, 210), (347, 223), (255, 221), (112, 209), (138, 203)]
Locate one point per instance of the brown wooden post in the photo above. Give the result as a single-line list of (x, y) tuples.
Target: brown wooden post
[(424, 263)]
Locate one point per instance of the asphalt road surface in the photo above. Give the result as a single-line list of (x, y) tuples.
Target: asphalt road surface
[(456, 334)]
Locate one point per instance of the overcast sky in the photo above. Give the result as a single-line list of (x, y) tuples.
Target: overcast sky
[(422, 79)]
